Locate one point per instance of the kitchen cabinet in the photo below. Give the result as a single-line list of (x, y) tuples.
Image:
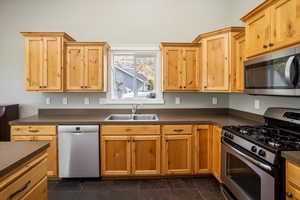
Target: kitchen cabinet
[(86, 66), (177, 150), (271, 26), (237, 79), (39, 133), (218, 59), (181, 66), (203, 149), (216, 152), (130, 150), (292, 181), (28, 181), (44, 60)]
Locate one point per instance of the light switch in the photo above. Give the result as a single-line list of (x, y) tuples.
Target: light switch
[(86, 100), (177, 100), (256, 104), (214, 100), (48, 100), (65, 100)]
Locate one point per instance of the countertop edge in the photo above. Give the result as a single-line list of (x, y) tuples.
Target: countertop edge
[(291, 156)]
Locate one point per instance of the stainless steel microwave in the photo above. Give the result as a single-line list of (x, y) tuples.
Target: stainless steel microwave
[(274, 74)]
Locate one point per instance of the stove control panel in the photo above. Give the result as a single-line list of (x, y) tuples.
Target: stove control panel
[(251, 147)]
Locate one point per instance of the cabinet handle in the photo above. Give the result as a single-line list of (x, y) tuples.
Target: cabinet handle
[(81, 86), (18, 191), (289, 195), (265, 46), (180, 87), (178, 130), (184, 87), (33, 131), (271, 44)]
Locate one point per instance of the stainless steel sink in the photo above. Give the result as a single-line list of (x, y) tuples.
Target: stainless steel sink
[(132, 117)]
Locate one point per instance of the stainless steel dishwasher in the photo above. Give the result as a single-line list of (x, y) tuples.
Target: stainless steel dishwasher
[(78, 151)]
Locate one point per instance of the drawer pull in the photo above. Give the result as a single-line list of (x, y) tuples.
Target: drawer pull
[(178, 130), (33, 131), (289, 195), (19, 191)]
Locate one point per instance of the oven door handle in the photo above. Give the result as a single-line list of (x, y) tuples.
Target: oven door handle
[(289, 75), (264, 166)]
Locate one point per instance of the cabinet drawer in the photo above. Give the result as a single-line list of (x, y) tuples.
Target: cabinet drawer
[(39, 191), (20, 183), (293, 173), (33, 130), (130, 130), (177, 129), (292, 193)]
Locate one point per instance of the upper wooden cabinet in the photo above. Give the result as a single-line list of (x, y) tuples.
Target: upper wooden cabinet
[(218, 58), (271, 26), (181, 66), (44, 60), (237, 78), (86, 66)]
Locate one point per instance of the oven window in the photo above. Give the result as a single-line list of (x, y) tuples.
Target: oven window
[(243, 176)]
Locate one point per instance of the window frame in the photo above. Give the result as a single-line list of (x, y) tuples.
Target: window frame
[(136, 100)]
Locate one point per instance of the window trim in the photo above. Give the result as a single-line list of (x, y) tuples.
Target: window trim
[(125, 48)]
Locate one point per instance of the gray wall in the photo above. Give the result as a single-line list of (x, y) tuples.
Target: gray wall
[(115, 21), (246, 102)]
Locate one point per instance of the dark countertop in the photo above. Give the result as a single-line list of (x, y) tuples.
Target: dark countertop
[(220, 117), (293, 156), (12, 154)]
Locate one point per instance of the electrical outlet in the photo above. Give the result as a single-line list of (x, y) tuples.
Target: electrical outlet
[(256, 104), (48, 100), (214, 100), (65, 100), (177, 100), (86, 100)]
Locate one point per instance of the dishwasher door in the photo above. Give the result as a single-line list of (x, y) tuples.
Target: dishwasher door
[(78, 151)]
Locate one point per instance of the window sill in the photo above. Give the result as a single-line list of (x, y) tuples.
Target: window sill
[(128, 102)]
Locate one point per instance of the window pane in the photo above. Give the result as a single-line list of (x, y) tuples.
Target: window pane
[(134, 75)]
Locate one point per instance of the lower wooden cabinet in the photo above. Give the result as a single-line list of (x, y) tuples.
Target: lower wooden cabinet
[(177, 154), (130, 155), (203, 149), (216, 152), (39, 191), (292, 181), (39, 133)]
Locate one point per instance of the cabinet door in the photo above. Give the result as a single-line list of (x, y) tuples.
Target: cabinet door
[(292, 193), (203, 140), (216, 153), (191, 68), (115, 155), (75, 68), (22, 138), (52, 67), (34, 62), (285, 23), (216, 68), (38, 192), (177, 154), (52, 153), (93, 68), (146, 155), (172, 64), (238, 76), (258, 33)]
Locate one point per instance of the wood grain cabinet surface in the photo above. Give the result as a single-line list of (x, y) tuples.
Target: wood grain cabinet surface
[(237, 76), (181, 66), (218, 59), (86, 66), (273, 25), (216, 152), (292, 181), (40, 133), (44, 60)]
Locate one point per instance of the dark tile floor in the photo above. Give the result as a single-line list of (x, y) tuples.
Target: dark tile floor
[(205, 188)]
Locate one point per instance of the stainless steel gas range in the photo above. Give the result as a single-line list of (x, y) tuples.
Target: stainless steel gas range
[(252, 168)]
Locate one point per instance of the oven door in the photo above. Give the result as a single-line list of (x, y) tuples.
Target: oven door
[(243, 176)]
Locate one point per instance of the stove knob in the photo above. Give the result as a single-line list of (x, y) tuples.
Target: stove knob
[(231, 136), (226, 134), (262, 153), (253, 149)]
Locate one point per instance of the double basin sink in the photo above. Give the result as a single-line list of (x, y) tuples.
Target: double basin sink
[(132, 117)]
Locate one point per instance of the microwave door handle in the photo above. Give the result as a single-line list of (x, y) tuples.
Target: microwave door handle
[(288, 70)]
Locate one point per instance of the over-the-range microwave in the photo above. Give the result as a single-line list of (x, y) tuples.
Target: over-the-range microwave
[(275, 74)]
